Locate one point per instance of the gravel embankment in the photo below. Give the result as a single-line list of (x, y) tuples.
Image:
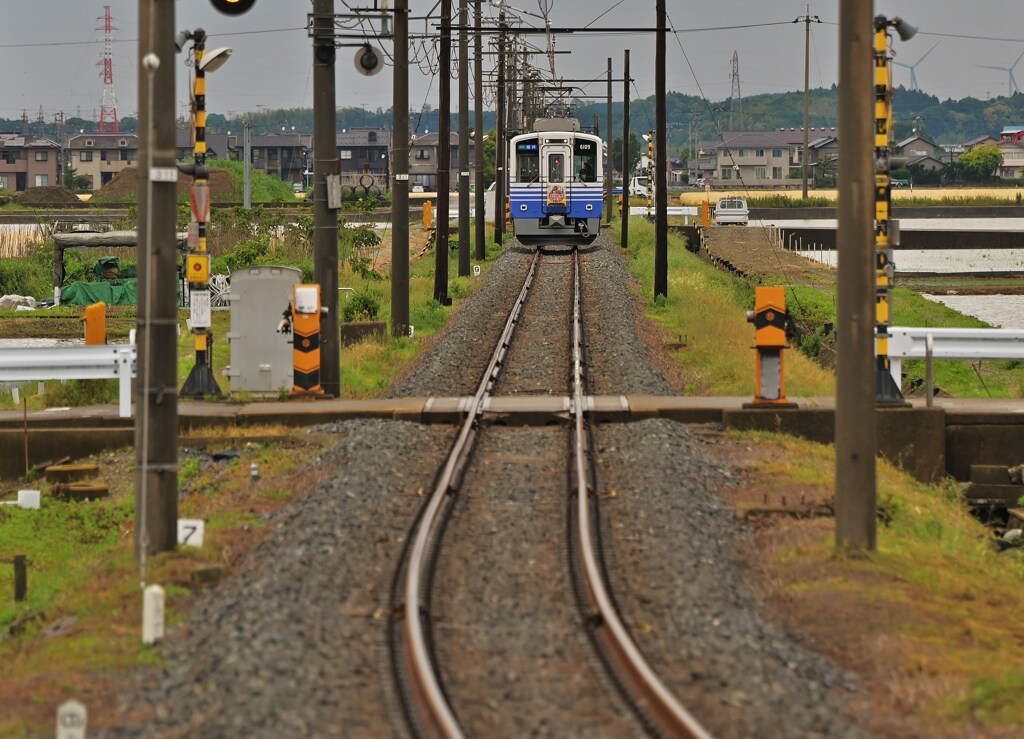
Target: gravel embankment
[(296, 643)]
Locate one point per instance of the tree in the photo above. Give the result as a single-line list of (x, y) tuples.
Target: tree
[(636, 148), (490, 156), (980, 164)]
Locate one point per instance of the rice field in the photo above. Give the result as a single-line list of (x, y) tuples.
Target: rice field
[(950, 195)]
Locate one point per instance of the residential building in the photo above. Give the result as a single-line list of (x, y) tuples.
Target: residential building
[(283, 156), (762, 158), (423, 162), (365, 151), (1012, 167), (100, 156), (28, 161), (916, 148), (218, 145)]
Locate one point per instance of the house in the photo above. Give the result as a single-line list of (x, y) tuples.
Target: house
[(1012, 167), (283, 156), (916, 148), (423, 161), (973, 144), (218, 145), (365, 151), (1014, 134), (28, 161), (758, 158), (100, 156)]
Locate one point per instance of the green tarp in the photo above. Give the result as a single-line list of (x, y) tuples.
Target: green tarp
[(87, 293)]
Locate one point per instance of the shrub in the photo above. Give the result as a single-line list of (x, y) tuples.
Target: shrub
[(364, 306)]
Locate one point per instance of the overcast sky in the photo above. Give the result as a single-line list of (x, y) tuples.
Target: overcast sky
[(50, 51)]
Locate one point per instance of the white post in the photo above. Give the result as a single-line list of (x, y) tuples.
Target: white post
[(152, 614), (72, 718)]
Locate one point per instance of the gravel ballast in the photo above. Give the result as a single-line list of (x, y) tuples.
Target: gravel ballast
[(295, 644)]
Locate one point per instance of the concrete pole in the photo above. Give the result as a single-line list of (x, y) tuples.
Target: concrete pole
[(478, 124), (463, 139), (156, 392), (624, 241), (805, 157), (400, 168), (608, 200), (325, 220), (660, 169), (247, 167), (444, 157), (855, 431), (500, 153)]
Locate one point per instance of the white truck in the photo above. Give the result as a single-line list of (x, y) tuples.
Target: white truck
[(732, 211), (638, 187)]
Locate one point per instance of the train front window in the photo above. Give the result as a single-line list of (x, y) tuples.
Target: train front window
[(585, 161), (528, 161), (556, 168)]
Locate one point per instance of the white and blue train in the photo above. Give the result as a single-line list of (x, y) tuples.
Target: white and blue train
[(555, 183)]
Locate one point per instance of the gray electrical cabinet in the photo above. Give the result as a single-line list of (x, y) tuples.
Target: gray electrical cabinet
[(261, 358)]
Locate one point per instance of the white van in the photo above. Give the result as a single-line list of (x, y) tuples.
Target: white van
[(731, 211)]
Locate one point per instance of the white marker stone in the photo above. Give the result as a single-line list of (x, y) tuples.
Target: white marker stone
[(152, 614), (71, 720), (28, 499), (191, 530), (476, 270)]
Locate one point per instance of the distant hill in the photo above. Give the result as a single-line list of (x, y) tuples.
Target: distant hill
[(690, 118)]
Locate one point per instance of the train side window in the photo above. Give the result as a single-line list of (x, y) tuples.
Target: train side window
[(556, 168), (585, 161)]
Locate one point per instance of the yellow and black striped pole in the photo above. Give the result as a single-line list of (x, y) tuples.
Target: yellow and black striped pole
[(887, 391), (650, 175), (201, 381)]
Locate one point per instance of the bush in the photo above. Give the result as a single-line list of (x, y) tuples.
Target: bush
[(364, 306)]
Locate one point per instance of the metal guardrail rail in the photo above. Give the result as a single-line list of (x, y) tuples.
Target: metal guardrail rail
[(952, 343), (98, 362)]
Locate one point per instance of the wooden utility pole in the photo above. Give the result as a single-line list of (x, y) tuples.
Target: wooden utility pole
[(463, 138), (855, 430), (444, 157), (156, 392), (624, 241), (660, 169), (400, 168), (608, 200), (805, 159), (478, 150), (500, 154), (325, 220)]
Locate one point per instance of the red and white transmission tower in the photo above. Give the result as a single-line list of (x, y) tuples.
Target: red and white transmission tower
[(108, 105)]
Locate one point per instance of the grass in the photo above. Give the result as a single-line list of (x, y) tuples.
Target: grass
[(706, 309), (82, 574), (946, 601)]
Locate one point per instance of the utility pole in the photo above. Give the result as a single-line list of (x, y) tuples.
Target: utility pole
[(805, 158), (463, 139), (624, 241), (444, 157), (855, 430), (500, 154), (156, 392), (609, 138), (478, 150), (325, 220), (247, 167), (400, 168), (661, 141)]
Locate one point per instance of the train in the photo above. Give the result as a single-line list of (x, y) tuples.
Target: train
[(556, 191)]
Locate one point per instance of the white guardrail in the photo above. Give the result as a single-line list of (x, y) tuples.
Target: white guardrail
[(952, 343), (97, 362)]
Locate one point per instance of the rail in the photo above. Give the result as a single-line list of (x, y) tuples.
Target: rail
[(659, 705), (434, 708), (100, 362), (951, 343)]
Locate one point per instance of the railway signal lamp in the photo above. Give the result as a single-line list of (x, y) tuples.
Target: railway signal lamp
[(233, 7), (769, 318)]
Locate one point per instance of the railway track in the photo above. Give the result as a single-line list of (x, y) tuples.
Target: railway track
[(436, 656)]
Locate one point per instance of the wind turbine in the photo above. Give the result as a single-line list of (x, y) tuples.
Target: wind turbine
[(911, 67), (1009, 70)]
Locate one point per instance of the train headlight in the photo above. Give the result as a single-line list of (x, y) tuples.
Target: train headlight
[(590, 206), (522, 208)]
